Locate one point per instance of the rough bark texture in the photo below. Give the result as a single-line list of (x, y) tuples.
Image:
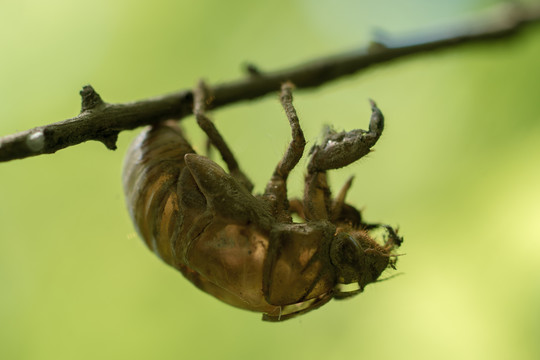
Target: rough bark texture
[(101, 121)]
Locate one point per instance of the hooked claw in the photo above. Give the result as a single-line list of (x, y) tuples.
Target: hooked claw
[(343, 148)]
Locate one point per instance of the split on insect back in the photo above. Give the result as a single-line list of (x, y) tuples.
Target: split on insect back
[(245, 249)]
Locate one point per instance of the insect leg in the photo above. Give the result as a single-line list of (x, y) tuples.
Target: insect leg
[(343, 148), (276, 189), (200, 100), (343, 212), (336, 151), (317, 200)]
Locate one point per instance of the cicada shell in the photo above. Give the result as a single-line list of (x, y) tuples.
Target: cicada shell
[(245, 249)]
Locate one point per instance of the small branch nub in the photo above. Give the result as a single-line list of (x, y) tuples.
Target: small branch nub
[(90, 98), (252, 70), (109, 140)]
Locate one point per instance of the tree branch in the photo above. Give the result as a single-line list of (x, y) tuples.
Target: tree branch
[(101, 121)]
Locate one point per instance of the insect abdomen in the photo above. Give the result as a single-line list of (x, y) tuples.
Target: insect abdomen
[(171, 214), (151, 176)]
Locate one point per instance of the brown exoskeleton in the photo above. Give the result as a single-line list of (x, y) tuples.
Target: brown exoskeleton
[(246, 250)]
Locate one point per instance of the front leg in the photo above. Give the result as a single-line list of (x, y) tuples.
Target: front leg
[(343, 148), (336, 151)]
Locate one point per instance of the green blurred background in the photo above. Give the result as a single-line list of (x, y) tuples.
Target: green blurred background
[(457, 169)]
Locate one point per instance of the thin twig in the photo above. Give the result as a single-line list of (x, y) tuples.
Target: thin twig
[(102, 121)]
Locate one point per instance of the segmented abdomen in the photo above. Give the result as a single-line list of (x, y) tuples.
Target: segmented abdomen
[(152, 170), (170, 214)]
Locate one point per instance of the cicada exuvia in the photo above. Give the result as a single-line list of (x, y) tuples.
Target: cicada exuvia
[(245, 249)]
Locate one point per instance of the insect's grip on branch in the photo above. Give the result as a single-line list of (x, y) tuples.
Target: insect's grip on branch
[(201, 99)]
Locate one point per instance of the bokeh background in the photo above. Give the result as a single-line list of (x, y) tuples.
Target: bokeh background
[(457, 169)]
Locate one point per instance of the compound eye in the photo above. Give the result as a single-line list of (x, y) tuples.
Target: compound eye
[(345, 256), (350, 251)]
